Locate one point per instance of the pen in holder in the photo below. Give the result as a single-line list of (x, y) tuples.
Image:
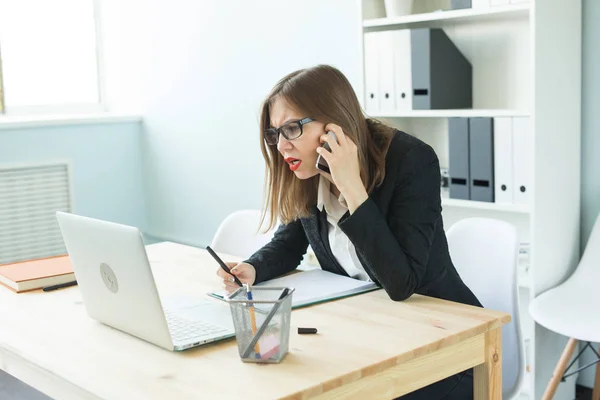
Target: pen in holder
[(261, 317)]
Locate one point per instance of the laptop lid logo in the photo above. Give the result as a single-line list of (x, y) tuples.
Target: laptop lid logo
[(109, 278)]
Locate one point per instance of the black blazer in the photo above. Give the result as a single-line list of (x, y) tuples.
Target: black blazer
[(398, 232)]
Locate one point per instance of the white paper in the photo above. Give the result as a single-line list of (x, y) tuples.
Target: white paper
[(316, 285)]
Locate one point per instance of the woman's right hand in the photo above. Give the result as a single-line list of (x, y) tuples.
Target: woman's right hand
[(244, 272)]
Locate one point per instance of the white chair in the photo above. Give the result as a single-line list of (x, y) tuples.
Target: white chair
[(238, 234), (485, 252), (571, 309)]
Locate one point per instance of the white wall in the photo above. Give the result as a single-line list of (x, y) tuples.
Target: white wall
[(106, 161), (197, 71)]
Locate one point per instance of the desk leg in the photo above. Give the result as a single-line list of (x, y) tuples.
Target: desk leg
[(488, 376)]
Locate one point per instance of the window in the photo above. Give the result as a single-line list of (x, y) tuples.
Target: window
[(1, 89), (49, 57)]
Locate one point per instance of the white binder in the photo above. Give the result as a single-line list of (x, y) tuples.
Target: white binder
[(387, 97), (503, 160), (371, 65), (479, 4), (522, 156), (402, 69)]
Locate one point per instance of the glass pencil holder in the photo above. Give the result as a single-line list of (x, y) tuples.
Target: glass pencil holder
[(261, 318)]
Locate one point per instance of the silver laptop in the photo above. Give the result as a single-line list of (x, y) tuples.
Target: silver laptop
[(118, 289)]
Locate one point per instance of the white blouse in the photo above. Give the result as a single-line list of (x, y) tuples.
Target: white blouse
[(341, 247)]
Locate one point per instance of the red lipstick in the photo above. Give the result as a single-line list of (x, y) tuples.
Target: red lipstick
[(294, 163)]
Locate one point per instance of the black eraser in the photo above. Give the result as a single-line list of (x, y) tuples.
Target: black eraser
[(307, 330)]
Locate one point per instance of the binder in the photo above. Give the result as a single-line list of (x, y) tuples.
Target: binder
[(371, 65), (522, 149), (387, 97), (458, 149), (479, 4), (372, 9), (402, 69), (460, 4), (503, 160), (441, 75), (481, 159)]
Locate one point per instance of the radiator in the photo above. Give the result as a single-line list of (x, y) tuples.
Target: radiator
[(30, 195)]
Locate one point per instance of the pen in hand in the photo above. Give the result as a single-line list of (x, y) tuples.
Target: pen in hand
[(223, 265)]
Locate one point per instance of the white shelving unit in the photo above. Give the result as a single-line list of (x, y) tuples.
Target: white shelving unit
[(443, 18), (481, 205), (449, 113), (526, 61)]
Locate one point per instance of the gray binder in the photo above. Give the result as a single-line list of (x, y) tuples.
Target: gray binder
[(481, 163), (441, 75), (460, 4), (458, 147)]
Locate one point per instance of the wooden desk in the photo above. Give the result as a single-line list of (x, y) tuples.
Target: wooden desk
[(367, 347)]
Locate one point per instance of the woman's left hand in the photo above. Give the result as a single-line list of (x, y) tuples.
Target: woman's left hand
[(344, 166)]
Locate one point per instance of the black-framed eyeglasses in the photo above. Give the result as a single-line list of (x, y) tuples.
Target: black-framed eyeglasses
[(292, 130)]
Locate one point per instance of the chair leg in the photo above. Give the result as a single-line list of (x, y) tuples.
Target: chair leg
[(561, 366), (596, 393)]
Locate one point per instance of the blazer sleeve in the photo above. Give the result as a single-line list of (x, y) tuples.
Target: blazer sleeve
[(282, 254), (396, 250)]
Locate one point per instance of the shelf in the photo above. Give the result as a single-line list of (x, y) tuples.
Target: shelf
[(481, 205), (451, 17), (448, 113), (509, 47), (524, 281)]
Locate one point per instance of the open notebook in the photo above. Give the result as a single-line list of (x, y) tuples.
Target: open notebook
[(315, 286)]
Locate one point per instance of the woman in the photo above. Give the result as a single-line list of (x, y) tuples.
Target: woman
[(377, 214)]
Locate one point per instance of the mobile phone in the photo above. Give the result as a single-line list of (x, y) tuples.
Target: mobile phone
[(321, 163)]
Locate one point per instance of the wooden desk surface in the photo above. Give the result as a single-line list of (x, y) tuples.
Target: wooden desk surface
[(48, 341)]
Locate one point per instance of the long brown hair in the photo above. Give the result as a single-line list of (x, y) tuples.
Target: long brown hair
[(324, 94)]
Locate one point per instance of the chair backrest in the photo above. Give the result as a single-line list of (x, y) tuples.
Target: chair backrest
[(238, 234), (587, 274), (485, 253)]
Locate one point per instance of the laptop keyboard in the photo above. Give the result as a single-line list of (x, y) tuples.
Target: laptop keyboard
[(183, 329)]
